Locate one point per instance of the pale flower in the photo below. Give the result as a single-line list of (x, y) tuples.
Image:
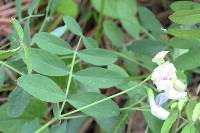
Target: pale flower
[(159, 57), (175, 94), (156, 109)]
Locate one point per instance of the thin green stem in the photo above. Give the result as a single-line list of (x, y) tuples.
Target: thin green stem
[(73, 117), (107, 98), (46, 125), (12, 68), (32, 16), (70, 75)]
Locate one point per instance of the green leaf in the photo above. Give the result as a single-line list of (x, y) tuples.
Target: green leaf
[(127, 16), (110, 7), (129, 9), (75, 125), (48, 64), (196, 112), (147, 47), (2, 75), (169, 122), (90, 42), (64, 9), (188, 60), (34, 4), (18, 101), (8, 53), (183, 43), (97, 56), (184, 5), (97, 111), (52, 44), (132, 27), (72, 25), (189, 128), (30, 127), (56, 110), (153, 123), (189, 109), (189, 34), (18, 28), (18, 4), (41, 87), (98, 77), (114, 33), (149, 20), (13, 125), (186, 17)]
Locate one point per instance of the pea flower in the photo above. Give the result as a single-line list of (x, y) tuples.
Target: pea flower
[(156, 109), (165, 79)]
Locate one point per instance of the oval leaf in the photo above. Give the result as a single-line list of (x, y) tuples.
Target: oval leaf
[(41, 87), (52, 44), (169, 122), (189, 128), (114, 33), (98, 77), (196, 112), (186, 17), (97, 111), (73, 26), (45, 63), (97, 56), (188, 60)]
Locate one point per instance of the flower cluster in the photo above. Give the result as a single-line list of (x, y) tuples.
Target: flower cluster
[(165, 79)]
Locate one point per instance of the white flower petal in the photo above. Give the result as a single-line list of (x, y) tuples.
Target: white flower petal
[(163, 84), (159, 57), (166, 71), (159, 112), (175, 94)]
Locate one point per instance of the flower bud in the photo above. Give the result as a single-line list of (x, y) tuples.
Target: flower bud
[(159, 57)]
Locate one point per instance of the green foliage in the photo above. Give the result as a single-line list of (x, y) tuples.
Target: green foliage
[(84, 99), (167, 125), (73, 26), (189, 128), (18, 101), (114, 34), (52, 44), (68, 8), (97, 56), (52, 71), (51, 64), (47, 90), (98, 77)]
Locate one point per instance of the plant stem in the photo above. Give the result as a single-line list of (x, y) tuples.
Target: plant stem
[(70, 75), (100, 21), (12, 68), (46, 125), (90, 105), (107, 98), (73, 117)]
